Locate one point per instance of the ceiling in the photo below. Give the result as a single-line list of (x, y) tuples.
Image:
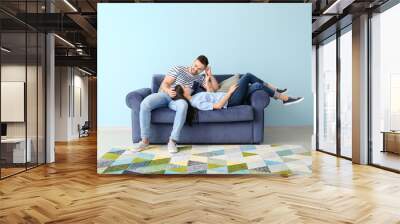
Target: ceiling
[(76, 21)]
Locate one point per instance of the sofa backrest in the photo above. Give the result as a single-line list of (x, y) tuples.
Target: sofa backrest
[(158, 78)]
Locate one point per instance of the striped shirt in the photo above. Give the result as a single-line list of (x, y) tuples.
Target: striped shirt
[(184, 78)]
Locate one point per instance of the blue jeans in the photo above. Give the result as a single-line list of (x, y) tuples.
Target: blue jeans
[(157, 100), (243, 89)]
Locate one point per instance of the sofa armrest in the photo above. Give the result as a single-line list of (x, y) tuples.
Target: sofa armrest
[(134, 98), (259, 99)]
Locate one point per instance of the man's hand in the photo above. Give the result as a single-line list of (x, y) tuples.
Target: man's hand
[(211, 79), (166, 85), (208, 71), (171, 92), (207, 78)]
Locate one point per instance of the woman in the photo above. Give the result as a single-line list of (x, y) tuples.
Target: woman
[(237, 94), (191, 112)]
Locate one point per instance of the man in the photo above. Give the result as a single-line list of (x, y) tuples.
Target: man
[(178, 75)]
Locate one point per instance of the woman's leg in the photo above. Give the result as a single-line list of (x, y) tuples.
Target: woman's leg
[(253, 79), (268, 88), (242, 91), (271, 92)]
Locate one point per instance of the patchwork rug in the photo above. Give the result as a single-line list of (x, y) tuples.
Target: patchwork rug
[(208, 159)]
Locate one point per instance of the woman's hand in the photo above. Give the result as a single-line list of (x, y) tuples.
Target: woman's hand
[(232, 88), (226, 97), (187, 92)]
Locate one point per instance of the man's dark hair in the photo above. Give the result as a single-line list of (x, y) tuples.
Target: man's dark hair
[(203, 59)]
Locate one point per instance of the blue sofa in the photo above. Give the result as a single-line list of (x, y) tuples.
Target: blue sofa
[(243, 124)]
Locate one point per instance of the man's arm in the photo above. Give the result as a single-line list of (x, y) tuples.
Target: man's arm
[(187, 93), (166, 85), (207, 84), (213, 81)]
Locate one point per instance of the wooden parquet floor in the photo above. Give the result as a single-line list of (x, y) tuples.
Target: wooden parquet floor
[(70, 191)]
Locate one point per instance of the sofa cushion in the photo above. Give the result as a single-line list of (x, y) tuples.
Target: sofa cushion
[(231, 114), (227, 83)]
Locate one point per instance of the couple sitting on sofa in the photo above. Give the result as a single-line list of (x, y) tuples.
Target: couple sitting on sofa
[(179, 82)]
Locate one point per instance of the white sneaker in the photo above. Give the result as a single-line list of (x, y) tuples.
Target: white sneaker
[(141, 146), (172, 147)]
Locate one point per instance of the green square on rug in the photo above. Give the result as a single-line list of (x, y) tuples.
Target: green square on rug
[(283, 160)]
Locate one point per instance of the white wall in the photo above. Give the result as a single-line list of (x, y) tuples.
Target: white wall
[(70, 84), (16, 72), (34, 126), (10, 73), (79, 117), (61, 103)]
